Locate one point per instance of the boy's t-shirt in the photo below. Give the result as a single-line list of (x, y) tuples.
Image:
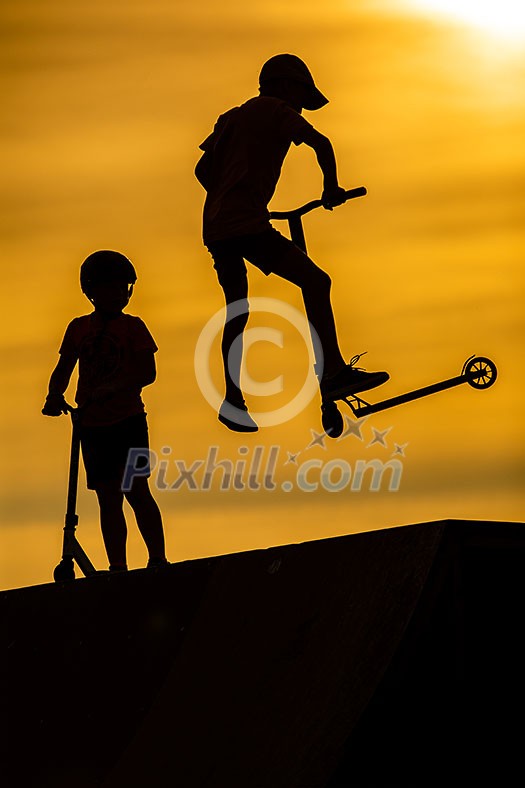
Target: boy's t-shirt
[(105, 351), (247, 146)]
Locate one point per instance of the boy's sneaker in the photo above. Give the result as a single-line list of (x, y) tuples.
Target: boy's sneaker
[(118, 568), (154, 563), (236, 417), (351, 379)]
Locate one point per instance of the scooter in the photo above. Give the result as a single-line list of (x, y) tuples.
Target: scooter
[(478, 371), (71, 550)]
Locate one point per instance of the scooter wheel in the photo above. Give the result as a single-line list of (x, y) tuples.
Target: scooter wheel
[(65, 570), (481, 372), (332, 420)]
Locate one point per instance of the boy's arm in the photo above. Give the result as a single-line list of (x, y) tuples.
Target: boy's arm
[(143, 374), (55, 403), (202, 169), (144, 371), (333, 194)]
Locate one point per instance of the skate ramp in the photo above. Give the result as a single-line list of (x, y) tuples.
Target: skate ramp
[(345, 661)]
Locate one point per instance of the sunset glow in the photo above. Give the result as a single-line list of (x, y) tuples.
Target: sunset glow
[(501, 17)]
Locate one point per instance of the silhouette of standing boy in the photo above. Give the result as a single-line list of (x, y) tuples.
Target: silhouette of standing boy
[(115, 353), (239, 169)]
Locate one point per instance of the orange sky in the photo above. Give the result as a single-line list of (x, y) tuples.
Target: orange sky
[(104, 105)]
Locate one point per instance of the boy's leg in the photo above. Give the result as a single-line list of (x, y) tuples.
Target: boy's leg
[(135, 437), (232, 276), (113, 522), (99, 445), (234, 282), (149, 518), (316, 287), (274, 253)]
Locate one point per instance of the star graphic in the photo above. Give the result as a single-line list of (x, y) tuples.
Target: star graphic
[(399, 449), (379, 437), (353, 427), (292, 458), (318, 439)]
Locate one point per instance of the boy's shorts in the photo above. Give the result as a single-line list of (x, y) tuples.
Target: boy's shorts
[(105, 450), (269, 251)]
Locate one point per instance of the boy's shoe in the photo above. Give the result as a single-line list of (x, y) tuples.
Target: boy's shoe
[(118, 568), (236, 417), (349, 380), (154, 563)]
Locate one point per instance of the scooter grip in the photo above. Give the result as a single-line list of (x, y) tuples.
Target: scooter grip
[(359, 191)]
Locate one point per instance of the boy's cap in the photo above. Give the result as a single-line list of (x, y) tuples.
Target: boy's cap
[(292, 67)]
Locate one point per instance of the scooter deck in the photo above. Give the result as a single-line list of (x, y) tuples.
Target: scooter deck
[(478, 371), (362, 408)]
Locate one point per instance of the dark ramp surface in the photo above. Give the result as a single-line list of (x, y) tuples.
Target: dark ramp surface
[(386, 658)]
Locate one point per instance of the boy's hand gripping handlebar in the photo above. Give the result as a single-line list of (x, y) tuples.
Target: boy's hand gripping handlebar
[(56, 406), (294, 216)]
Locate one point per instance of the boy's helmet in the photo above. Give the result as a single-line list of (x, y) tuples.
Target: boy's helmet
[(293, 68), (106, 266)]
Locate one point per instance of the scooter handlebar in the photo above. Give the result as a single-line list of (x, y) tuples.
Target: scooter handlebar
[(359, 191)]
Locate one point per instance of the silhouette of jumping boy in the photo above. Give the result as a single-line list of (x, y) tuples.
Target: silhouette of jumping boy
[(239, 169), (115, 353)]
